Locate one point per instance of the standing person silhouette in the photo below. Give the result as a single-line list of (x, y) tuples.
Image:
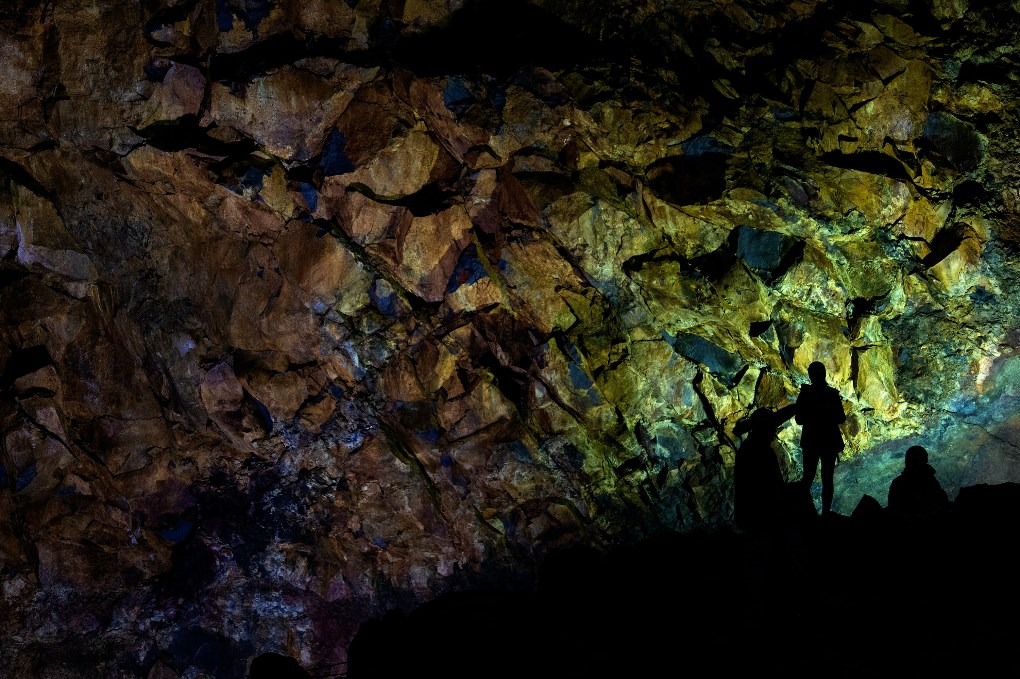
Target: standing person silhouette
[(819, 412)]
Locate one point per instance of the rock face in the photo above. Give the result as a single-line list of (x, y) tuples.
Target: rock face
[(314, 310)]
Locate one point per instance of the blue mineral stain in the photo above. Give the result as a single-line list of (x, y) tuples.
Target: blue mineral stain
[(335, 390), (759, 249), (66, 491), (469, 269), (700, 350), (579, 377), (610, 289), (786, 351), (981, 295), (674, 448), (952, 67), (156, 72), (956, 139), (503, 265), (252, 178), (25, 477), (498, 99), (384, 299), (782, 113), (570, 349), (510, 523), (352, 353), (432, 434), (252, 12), (521, 451), (177, 533), (763, 202), (334, 161), (762, 250), (446, 461), (699, 146), (310, 195), (379, 542), (456, 95), (3, 476), (224, 19), (962, 405)]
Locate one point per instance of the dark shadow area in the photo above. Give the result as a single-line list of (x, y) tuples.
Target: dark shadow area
[(268, 54), (276, 666), (496, 38), (499, 38), (842, 596), (955, 140), (215, 654), (872, 162), (24, 362), (689, 180), (972, 193), (944, 244), (21, 176), (185, 133), (428, 200)]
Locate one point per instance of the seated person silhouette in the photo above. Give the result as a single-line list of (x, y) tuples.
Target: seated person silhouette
[(916, 493), (758, 481)]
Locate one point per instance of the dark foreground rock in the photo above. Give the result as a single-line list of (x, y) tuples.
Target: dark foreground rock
[(843, 596)]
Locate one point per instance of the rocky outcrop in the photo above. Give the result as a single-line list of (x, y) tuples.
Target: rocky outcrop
[(314, 310)]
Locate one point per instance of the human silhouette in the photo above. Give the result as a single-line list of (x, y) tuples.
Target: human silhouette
[(916, 493), (819, 411), (757, 479)]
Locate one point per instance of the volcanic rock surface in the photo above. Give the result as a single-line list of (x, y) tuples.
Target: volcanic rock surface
[(313, 310)]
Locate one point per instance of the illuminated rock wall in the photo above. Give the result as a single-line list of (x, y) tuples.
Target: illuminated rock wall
[(314, 309)]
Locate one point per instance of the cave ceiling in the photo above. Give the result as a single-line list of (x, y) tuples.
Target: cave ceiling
[(313, 309)]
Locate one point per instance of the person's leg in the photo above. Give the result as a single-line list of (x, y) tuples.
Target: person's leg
[(807, 478), (810, 466), (828, 466)]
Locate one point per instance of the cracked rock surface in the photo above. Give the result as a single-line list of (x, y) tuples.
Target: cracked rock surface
[(314, 310)]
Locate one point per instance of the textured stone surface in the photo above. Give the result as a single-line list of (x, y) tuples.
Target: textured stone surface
[(313, 310)]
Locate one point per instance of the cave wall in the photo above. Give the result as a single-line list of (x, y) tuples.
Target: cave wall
[(311, 310)]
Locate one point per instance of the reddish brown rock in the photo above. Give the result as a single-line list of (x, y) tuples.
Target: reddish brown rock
[(179, 94), (288, 111)]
